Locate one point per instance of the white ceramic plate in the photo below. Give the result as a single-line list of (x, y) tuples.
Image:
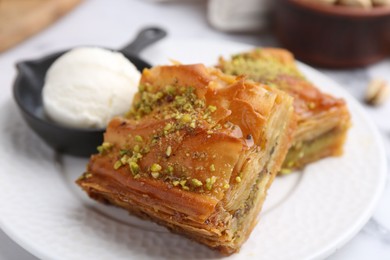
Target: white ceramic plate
[(307, 215)]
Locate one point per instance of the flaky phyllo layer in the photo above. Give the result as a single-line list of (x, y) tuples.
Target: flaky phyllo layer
[(322, 119), (196, 153)]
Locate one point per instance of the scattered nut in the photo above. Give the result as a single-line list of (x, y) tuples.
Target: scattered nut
[(377, 92), (357, 3)]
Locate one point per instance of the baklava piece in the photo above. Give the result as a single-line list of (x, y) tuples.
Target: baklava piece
[(196, 153), (323, 120)]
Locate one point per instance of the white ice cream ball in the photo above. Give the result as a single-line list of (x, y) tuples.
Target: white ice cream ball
[(86, 87)]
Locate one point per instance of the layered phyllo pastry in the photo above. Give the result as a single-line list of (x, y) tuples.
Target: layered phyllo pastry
[(196, 153), (322, 119)]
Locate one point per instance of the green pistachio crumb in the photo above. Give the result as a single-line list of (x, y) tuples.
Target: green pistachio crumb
[(168, 127), (183, 183), (147, 110), (155, 174), (137, 156), (180, 101), (212, 109), (170, 168), (137, 176), (226, 186), (158, 96), (149, 88), (210, 182), (107, 145), (168, 151), (199, 103), (138, 138), (238, 179), (186, 118), (86, 175), (104, 147), (124, 159), (155, 167), (212, 168), (188, 107), (145, 150), (117, 164), (193, 124), (123, 152), (196, 182), (290, 164), (170, 89), (175, 183), (136, 148), (134, 167), (285, 171)]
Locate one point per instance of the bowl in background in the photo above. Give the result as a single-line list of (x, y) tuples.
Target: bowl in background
[(333, 36)]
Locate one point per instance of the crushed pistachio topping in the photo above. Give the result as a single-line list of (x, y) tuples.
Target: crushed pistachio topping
[(196, 183), (124, 159), (134, 167), (123, 152), (210, 182), (136, 148), (212, 109), (238, 179), (117, 165), (290, 164), (168, 127), (181, 104), (104, 147), (138, 138), (258, 66), (155, 167), (285, 171), (226, 186), (186, 118), (155, 174), (183, 185), (170, 169), (168, 151), (86, 175), (181, 109)]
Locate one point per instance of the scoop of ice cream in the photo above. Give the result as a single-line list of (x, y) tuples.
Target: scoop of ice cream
[(86, 87)]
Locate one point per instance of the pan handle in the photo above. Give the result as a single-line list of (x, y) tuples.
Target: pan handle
[(145, 37)]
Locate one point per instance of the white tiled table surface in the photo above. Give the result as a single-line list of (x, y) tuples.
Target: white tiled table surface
[(113, 23)]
